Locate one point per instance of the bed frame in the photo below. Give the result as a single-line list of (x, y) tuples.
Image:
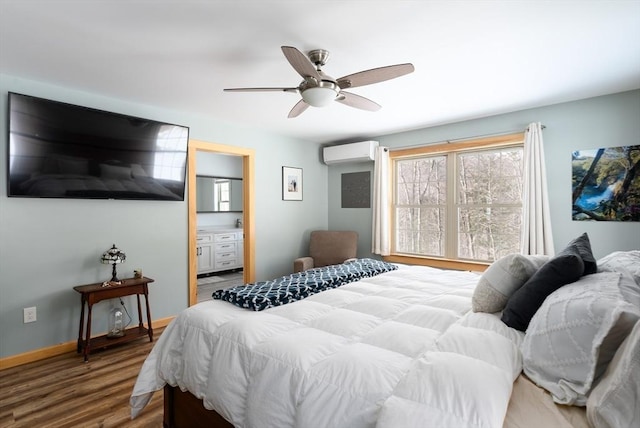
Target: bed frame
[(183, 410)]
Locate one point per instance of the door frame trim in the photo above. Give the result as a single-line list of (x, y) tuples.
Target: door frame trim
[(248, 160)]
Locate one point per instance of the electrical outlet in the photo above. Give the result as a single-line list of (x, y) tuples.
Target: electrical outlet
[(29, 314)]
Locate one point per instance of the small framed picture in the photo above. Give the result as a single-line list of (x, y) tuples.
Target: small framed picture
[(291, 183)]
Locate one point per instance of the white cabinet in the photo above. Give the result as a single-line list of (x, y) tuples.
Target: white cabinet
[(220, 250), (204, 251)]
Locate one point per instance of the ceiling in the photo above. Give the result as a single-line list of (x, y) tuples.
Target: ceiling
[(472, 58)]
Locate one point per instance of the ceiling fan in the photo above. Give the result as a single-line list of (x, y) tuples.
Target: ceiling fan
[(319, 89)]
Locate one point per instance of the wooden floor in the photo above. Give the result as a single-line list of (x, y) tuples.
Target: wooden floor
[(224, 280), (64, 391)]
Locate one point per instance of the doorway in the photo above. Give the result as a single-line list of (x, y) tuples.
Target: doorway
[(248, 156)]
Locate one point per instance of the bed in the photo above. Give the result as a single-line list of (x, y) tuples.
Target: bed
[(402, 348)]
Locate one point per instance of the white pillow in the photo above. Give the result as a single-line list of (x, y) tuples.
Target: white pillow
[(575, 333), (502, 279), (622, 261), (615, 401)]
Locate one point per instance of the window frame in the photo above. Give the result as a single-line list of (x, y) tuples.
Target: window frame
[(446, 148)]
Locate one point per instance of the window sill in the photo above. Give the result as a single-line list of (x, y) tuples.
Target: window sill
[(437, 262)]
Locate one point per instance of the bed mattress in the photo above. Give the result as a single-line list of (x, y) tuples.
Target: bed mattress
[(393, 350)]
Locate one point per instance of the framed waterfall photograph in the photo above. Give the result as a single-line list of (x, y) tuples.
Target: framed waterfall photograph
[(291, 183), (606, 184)]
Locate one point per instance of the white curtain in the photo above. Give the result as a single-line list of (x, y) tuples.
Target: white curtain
[(380, 230), (536, 223)]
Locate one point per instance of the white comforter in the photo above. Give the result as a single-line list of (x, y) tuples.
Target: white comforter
[(401, 349)]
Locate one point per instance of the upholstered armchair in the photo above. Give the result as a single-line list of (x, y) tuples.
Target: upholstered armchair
[(327, 247)]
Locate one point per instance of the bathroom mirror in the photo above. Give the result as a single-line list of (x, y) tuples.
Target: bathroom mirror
[(218, 194)]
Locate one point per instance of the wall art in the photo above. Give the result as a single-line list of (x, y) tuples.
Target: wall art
[(356, 190), (291, 183), (606, 184)]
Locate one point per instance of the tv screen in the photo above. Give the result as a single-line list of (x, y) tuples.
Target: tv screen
[(59, 150)]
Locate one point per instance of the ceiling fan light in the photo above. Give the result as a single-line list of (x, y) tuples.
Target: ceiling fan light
[(319, 97)]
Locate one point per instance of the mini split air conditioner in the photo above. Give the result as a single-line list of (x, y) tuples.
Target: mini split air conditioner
[(354, 152)]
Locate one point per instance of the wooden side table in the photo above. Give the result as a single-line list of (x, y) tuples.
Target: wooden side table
[(91, 294)]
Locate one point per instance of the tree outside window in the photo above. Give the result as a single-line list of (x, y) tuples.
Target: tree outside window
[(459, 203)]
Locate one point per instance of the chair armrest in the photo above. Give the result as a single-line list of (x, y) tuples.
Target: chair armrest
[(302, 263)]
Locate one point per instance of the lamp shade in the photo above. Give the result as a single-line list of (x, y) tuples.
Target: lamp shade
[(113, 255)]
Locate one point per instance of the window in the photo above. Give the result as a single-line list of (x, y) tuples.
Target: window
[(460, 201), (222, 194)]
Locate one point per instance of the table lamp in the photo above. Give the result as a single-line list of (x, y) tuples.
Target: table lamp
[(113, 256)]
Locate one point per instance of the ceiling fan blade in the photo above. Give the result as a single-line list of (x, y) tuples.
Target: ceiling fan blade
[(300, 63), (261, 90), (298, 109), (353, 100), (375, 75)]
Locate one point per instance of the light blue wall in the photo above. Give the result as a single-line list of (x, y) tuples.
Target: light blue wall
[(607, 121), (47, 246), (356, 219)]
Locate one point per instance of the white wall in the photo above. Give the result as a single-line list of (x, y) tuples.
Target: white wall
[(607, 121), (47, 246)]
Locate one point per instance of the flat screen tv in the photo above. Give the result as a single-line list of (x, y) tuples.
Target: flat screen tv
[(60, 150)]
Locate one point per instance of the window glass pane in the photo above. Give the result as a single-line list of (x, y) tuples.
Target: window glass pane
[(490, 177), (223, 194), (421, 181), (460, 201), (420, 231), (488, 233)]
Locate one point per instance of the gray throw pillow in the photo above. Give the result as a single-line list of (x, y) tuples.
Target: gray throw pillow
[(502, 279), (562, 269), (575, 334)]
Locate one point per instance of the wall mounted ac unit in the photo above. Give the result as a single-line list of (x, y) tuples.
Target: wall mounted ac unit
[(354, 152)]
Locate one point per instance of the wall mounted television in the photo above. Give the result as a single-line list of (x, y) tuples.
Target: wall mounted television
[(60, 150)]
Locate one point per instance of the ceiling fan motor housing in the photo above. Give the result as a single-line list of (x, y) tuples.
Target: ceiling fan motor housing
[(319, 93), (319, 57)]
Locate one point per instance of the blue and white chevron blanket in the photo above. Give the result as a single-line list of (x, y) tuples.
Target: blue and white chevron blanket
[(262, 295)]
